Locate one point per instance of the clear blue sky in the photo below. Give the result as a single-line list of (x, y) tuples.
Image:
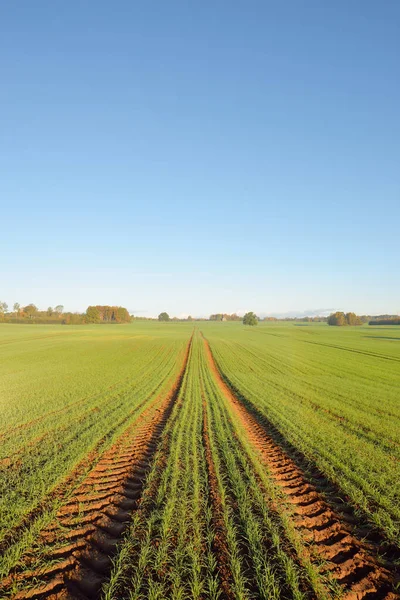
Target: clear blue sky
[(199, 157)]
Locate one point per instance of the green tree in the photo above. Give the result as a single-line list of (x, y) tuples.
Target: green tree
[(30, 310), (17, 307), (163, 316), (92, 315), (250, 319), (49, 311), (122, 315), (338, 318), (59, 309), (353, 319)]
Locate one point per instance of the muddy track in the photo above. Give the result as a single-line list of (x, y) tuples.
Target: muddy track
[(79, 544), (348, 561)]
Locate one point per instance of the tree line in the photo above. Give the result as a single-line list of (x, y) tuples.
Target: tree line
[(94, 314), (340, 319), (107, 314), (225, 317), (249, 318), (118, 314), (30, 313), (390, 321)]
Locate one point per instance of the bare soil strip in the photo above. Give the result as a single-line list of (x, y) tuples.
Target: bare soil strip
[(88, 528), (349, 561)]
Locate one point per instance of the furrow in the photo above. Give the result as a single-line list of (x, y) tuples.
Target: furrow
[(12, 537), (350, 562), (89, 527)]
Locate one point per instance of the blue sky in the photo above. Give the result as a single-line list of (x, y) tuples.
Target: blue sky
[(200, 157)]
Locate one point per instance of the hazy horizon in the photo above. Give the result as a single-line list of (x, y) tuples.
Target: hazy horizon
[(318, 312)]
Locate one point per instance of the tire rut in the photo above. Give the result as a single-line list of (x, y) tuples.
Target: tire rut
[(80, 543), (347, 560)]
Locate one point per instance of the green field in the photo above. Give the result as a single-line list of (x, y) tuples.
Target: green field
[(199, 460), (334, 394)]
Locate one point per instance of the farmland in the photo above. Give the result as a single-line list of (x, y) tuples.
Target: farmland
[(204, 460)]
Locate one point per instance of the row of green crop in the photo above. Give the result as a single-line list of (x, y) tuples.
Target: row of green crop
[(167, 552), (320, 398), (176, 547), (52, 423), (33, 469), (61, 366), (259, 564)]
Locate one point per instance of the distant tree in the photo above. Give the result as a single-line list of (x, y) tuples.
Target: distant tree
[(107, 313), (190, 318), (122, 315), (234, 317), (17, 307), (59, 309), (73, 319), (163, 316), (353, 319), (3, 310), (49, 311), (340, 319), (391, 321), (225, 317), (30, 310), (250, 319), (92, 315)]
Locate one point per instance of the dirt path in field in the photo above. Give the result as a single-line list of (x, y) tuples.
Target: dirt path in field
[(79, 545), (350, 562)]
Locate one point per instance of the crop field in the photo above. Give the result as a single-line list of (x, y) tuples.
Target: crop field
[(199, 461)]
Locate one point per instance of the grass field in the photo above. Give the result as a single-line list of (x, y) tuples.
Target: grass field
[(204, 460)]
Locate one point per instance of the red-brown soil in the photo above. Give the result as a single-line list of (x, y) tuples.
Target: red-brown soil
[(350, 562), (79, 544)]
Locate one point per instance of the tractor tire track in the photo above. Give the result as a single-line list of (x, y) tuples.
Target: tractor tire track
[(88, 528), (349, 562), (13, 535)]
